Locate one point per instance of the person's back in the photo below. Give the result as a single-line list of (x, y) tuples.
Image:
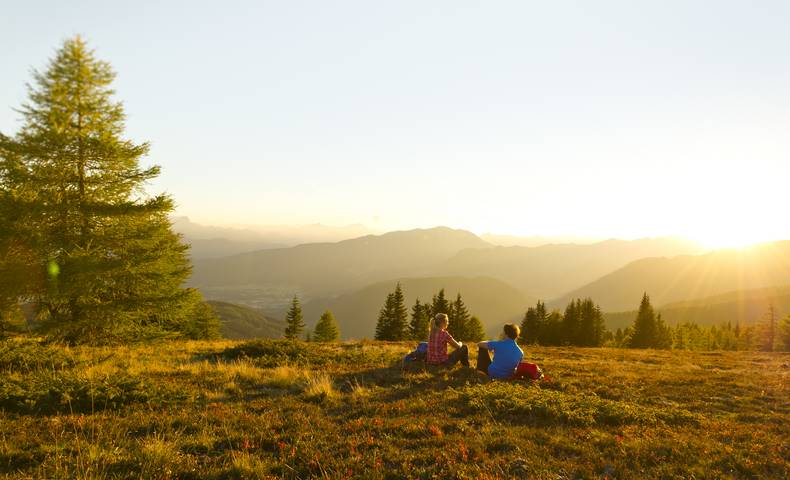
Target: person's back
[(507, 354)]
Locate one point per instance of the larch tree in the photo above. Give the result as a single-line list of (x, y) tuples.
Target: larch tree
[(294, 322), (326, 329), (94, 253)]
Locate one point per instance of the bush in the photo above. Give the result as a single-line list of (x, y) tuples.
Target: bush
[(515, 401), (49, 391), (29, 355), (273, 353)]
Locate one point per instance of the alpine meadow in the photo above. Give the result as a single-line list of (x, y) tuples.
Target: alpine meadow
[(384, 241)]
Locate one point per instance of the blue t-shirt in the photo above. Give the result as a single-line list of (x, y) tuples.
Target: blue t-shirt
[(507, 356)]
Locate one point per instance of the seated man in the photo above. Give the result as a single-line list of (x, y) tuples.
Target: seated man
[(507, 354)]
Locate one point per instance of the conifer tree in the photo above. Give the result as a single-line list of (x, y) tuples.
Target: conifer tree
[(383, 324), (644, 332), (571, 323), (420, 321), (534, 324), (591, 324), (474, 330), (785, 333), (552, 332), (294, 323), (618, 337), (663, 337), (459, 319), (399, 322), (326, 329), (440, 304), (529, 327), (103, 262)]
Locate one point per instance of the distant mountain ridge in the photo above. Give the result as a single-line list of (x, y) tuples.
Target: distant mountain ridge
[(208, 241), (549, 271), (689, 277), (327, 269), (321, 269)]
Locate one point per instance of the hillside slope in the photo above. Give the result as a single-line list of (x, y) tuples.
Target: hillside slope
[(744, 307), (320, 269), (493, 301), (551, 270), (689, 277), (240, 322)]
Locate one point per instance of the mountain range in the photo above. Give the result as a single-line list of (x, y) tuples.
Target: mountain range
[(688, 277), (352, 277)]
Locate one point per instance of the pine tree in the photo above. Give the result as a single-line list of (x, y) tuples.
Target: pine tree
[(420, 321), (663, 336), (399, 322), (618, 337), (785, 333), (529, 327), (571, 323), (440, 304), (644, 329), (474, 330), (459, 319), (553, 330), (104, 263), (383, 328), (533, 326), (591, 324), (294, 323), (326, 329)]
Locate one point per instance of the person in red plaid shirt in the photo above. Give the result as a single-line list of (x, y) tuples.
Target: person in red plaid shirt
[(437, 344)]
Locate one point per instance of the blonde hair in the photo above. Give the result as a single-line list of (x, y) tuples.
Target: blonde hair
[(438, 320)]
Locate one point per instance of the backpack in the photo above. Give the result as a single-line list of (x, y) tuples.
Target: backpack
[(528, 371), (417, 357)]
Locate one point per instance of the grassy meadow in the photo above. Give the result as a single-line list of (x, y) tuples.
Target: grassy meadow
[(273, 409)]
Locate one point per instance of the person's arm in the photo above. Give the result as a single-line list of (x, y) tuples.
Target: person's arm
[(452, 341), (488, 345)]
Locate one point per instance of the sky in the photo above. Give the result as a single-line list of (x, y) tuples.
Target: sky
[(594, 119)]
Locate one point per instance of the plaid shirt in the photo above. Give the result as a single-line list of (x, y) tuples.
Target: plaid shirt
[(437, 347)]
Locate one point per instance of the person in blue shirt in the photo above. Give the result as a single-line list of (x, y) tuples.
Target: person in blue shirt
[(507, 354)]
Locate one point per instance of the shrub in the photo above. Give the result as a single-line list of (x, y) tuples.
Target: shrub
[(49, 391), (28, 355), (529, 403)]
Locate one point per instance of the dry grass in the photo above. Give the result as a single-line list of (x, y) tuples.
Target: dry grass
[(278, 410)]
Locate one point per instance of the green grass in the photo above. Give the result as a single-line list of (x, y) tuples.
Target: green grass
[(273, 409)]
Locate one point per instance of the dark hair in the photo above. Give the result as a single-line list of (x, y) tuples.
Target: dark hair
[(512, 330)]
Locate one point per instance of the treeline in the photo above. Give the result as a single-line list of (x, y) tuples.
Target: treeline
[(394, 324), (582, 324)]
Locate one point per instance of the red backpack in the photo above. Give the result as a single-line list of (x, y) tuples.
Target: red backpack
[(528, 371)]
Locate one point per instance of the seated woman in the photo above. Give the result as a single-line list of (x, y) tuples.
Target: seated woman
[(507, 354), (437, 344)]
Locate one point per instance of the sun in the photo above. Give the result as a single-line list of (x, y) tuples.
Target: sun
[(731, 238)]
